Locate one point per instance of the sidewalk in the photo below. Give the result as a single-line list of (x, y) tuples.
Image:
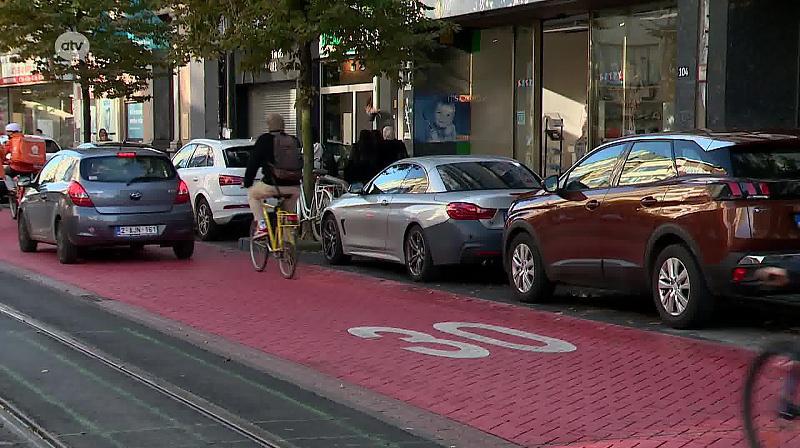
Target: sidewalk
[(530, 377)]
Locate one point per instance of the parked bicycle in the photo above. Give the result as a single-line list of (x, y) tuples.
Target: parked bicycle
[(326, 189), (279, 240)]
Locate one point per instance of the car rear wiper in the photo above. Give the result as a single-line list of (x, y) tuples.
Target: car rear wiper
[(143, 179)]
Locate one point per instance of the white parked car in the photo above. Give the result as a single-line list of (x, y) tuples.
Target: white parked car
[(214, 172)]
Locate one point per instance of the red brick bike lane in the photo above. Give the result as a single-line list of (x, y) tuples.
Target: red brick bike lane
[(531, 377)]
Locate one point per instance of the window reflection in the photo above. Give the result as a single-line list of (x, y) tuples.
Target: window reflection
[(691, 159), (648, 162), (595, 171)]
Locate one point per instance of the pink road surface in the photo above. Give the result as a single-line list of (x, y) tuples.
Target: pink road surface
[(620, 387)]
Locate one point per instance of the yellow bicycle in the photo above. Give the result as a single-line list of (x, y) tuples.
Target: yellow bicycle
[(279, 241)]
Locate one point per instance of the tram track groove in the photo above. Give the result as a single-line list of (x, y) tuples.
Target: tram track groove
[(204, 407)]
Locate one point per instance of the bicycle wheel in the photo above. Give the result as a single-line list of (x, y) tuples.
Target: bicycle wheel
[(259, 249), (325, 200), (771, 399), (13, 204), (287, 262)]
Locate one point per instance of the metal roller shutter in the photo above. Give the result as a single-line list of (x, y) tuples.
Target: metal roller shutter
[(270, 98)]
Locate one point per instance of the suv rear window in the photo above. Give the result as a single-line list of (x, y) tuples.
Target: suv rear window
[(237, 156), (487, 175), (766, 163), (126, 169)]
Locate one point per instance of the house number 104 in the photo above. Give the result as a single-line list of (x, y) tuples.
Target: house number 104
[(464, 350)]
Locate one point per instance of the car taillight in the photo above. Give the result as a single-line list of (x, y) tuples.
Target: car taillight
[(732, 190), (229, 180), (183, 193), (464, 211), (78, 195)]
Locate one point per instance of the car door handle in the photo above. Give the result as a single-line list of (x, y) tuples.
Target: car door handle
[(649, 201), (195, 179), (384, 202), (593, 204)]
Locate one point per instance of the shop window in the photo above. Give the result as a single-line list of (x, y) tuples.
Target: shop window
[(634, 58)]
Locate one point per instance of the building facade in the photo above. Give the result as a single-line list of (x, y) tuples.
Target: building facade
[(27, 99)]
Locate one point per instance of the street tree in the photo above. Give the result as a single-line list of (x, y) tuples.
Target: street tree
[(390, 37), (125, 38)]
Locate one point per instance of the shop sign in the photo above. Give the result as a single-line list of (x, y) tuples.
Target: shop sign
[(327, 44), (13, 73), (135, 121), (450, 8)]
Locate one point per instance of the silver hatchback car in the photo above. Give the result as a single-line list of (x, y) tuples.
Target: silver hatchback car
[(106, 197)]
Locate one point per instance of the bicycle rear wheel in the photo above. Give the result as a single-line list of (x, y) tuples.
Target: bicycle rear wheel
[(287, 262), (771, 399), (13, 204), (325, 200), (259, 249)]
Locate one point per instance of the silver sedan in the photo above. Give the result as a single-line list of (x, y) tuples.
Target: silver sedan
[(427, 212)]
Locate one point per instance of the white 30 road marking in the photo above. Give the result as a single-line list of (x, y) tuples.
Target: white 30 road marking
[(551, 345), (466, 350)]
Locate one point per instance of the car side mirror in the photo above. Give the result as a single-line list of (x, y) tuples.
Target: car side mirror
[(356, 188), (25, 183), (551, 184)]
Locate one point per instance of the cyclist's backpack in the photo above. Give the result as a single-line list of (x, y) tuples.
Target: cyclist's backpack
[(288, 165), (28, 153)]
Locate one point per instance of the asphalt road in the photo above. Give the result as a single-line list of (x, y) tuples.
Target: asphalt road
[(87, 403), (744, 324)]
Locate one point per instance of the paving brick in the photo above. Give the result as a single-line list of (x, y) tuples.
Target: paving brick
[(622, 387)]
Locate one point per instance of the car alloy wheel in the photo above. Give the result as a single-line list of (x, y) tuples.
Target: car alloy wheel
[(523, 268), (329, 238), (203, 218), (674, 286), (416, 254)]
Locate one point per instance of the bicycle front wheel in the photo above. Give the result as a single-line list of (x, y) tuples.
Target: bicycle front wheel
[(259, 249), (771, 400), (287, 263)]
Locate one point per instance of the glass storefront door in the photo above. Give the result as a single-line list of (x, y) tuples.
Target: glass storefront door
[(344, 115), (634, 58)]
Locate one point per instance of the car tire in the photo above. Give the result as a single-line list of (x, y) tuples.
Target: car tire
[(332, 247), (183, 250), (66, 251), (207, 228), (26, 244), (679, 288), (526, 272), (419, 261)]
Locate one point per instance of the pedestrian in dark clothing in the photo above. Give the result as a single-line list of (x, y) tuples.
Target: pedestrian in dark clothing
[(364, 162), (392, 149)]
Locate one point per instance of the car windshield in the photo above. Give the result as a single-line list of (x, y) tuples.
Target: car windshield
[(766, 163), (487, 175), (126, 169), (237, 156)]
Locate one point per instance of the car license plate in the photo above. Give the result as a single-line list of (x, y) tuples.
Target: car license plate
[(137, 230)]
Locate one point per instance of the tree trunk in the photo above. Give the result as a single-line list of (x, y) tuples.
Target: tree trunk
[(305, 102), (86, 113)]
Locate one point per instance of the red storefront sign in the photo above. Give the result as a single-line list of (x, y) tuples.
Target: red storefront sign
[(17, 73)]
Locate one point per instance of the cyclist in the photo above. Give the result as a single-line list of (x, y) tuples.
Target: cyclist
[(779, 277), (280, 159), (11, 170)]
